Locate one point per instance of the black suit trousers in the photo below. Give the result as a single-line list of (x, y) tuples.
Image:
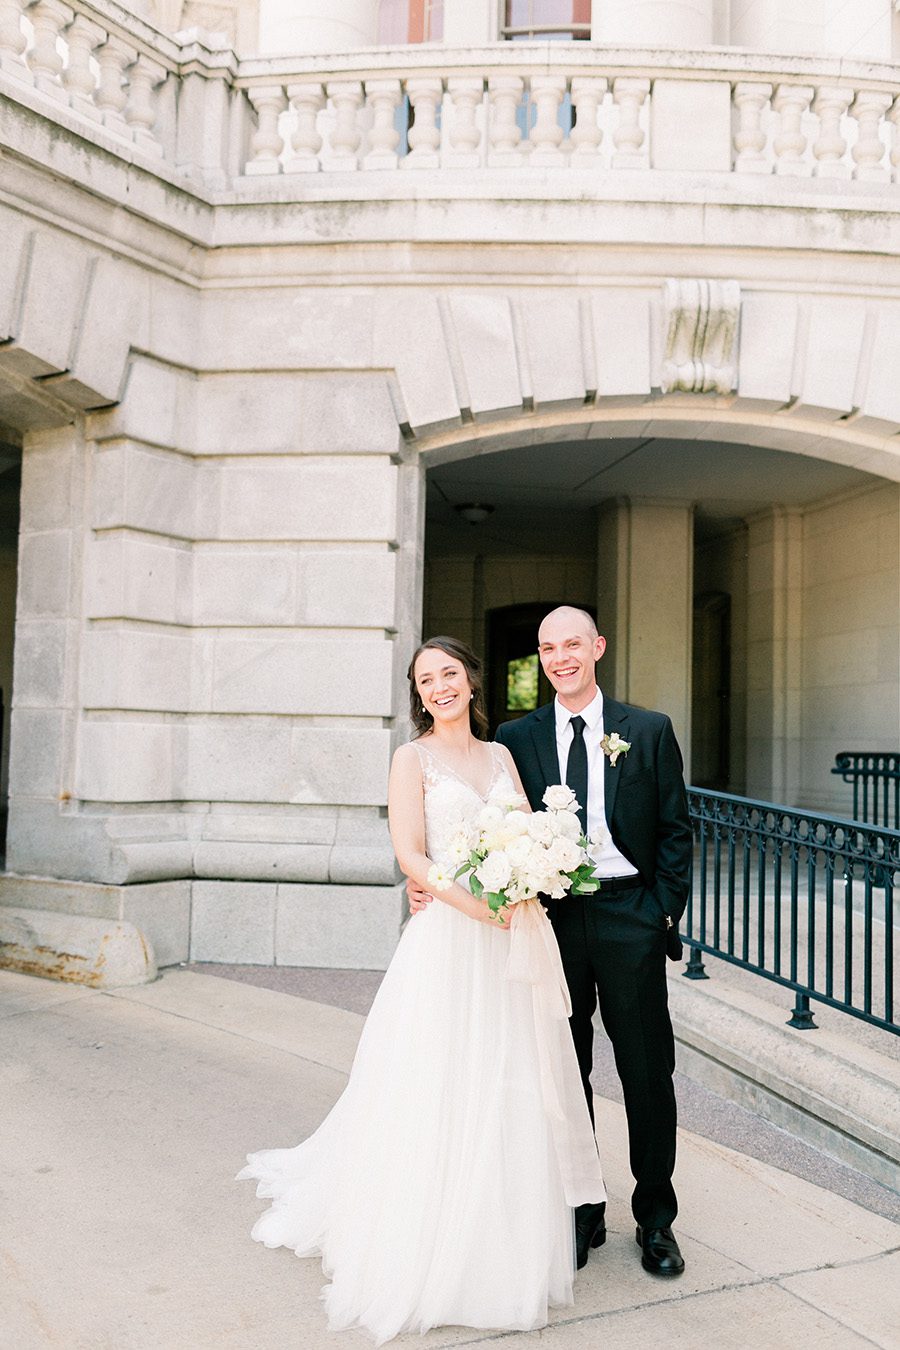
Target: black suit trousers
[(613, 950)]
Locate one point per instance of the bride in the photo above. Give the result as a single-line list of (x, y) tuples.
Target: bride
[(440, 1187)]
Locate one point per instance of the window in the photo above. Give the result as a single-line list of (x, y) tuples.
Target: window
[(401, 22), (562, 20), (522, 684)]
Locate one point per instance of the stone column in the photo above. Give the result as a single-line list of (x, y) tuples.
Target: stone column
[(469, 23), (297, 27), (774, 601), (645, 606), (653, 23), (791, 26)]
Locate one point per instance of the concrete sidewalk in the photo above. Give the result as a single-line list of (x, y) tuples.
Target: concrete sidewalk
[(125, 1116)]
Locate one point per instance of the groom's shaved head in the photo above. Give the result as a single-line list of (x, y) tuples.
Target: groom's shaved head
[(571, 614)]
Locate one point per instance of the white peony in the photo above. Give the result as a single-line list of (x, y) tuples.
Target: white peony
[(540, 827), (564, 855), (559, 797), (495, 871), (566, 825)]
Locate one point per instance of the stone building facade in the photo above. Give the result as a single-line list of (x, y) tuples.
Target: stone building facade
[(409, 317)]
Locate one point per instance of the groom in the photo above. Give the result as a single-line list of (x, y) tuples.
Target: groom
[(625, 768)]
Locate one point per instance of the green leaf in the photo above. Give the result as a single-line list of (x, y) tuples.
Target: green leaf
[(495, 901), (476, 887)]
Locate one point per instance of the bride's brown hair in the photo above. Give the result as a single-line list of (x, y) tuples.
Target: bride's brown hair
[(423, 721)]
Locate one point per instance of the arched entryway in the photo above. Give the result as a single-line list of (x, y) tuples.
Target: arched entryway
[(705, 560)]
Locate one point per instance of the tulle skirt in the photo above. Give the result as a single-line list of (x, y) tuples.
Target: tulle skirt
[(432, 1189)]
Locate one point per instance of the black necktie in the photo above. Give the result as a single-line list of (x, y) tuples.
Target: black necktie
[(577, 769)]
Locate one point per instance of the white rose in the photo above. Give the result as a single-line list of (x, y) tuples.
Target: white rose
[(489, 817), (495, 871), (559, 797), (566, 825), (513, 824), (507, 798), (564, 855), (559, 889), (519, 850), (540, 827)]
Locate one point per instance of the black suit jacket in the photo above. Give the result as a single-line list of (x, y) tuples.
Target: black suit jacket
[(646, 802)]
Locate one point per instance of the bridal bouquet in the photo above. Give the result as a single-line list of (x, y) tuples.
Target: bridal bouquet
[(513, 855)]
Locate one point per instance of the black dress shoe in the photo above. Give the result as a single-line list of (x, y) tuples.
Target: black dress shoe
[(590, 1230), (660, 1254)]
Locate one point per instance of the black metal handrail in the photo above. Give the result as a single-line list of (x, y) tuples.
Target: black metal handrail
[(803, 899), (876, 785)]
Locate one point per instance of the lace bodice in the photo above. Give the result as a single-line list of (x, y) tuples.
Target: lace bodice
[(451, 802)]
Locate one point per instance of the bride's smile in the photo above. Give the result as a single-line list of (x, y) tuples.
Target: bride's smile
[(443, 685)]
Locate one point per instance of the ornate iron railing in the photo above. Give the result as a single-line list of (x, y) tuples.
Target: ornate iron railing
[(802, 899), (876, 785)]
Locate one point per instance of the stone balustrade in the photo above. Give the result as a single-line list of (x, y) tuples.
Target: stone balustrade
[(570, 109), (96, 60), (204, 114), (118, 79)]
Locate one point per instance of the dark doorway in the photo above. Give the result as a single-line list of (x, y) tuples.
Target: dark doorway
[(516, 684), (711, 697)]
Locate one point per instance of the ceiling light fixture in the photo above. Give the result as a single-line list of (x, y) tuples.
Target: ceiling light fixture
[(474, 512)]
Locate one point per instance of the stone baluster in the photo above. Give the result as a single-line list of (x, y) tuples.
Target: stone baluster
[(505, 92), (629, 94), (547, 93), (424, 137), (751, 100), (869, 107), (588, 92), (307, 101), (791, 102), (113, 58), (466, 96), (830, 147), (48, 18), (83, 37), (140, 111), (266, 144), (383, 98), (346, 97), (13, 41), (894, 118)]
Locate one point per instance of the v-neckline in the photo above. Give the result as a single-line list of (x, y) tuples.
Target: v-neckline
[(447, 768)]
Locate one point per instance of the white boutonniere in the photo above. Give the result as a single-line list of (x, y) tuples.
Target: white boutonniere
[(614, 746)]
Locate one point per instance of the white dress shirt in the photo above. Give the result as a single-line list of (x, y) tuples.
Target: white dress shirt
[(608, 861)]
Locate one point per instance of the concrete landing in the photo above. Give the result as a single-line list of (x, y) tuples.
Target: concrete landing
[(127, 1113)]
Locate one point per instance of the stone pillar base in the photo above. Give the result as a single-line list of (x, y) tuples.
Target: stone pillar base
[(77, 950), (267, 923)]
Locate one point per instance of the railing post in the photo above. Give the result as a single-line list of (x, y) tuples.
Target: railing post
[(83, 37), (12, 40), (868, 108), (266, 142), (307, 100), (801, 1018), (695, 969), (48, 19)]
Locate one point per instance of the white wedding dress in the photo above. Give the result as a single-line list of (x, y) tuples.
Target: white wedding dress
[(438, 1189)]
